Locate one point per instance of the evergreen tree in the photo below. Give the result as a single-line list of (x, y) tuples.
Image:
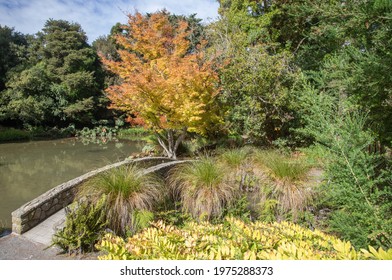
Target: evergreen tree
[(258, 74), (12, 46), (60, 84)]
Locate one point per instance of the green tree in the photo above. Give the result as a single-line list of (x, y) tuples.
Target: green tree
[(258, 74), (12, 46), (359, 189), (61, 82), (345, 47)]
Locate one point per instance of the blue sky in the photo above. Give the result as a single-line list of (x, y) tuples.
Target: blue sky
[(95, 16)]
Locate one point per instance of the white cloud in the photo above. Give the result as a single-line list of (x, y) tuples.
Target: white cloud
[(96, 17)]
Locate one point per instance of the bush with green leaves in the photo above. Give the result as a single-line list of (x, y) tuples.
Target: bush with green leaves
[(129, 191), (84, 226), (12, 134), (359, 189), (133, 133), (233, 240)]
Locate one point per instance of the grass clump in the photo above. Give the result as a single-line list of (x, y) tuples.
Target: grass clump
[(282, 167), (289, 193), (234, 158), (202, 188), (128, 192)]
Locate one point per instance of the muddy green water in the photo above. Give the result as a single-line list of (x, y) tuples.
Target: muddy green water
[(29, 169)]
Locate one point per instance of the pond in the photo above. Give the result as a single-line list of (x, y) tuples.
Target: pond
[(27, 170)]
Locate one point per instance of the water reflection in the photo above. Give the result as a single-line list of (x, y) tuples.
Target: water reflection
[(29, 169)]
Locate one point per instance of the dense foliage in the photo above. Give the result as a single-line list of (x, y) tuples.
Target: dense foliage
[(84, 226), (12, 48), (257, 76), (359, 188), (233, 240), (58, 83), (345, 47)]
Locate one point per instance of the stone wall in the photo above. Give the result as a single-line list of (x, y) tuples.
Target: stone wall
[(35, 211)]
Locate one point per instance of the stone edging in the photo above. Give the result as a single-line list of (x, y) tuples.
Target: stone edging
[(35, 211)]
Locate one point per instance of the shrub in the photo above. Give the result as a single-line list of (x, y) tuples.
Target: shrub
[(173, 217), (359, 190), (240, 209), (12, 134), (140, 220), (202, 188), (127, 190), (99, 135), (233, 240), (84, 225)]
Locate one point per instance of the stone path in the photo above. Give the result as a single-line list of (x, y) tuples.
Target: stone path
[(34, 244), (43, 232), (18, 247)]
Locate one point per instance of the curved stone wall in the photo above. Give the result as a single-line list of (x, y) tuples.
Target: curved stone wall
[(35, 211)]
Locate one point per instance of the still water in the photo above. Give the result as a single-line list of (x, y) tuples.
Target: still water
[(29, 169)]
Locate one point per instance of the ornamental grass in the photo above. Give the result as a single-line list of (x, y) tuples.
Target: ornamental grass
[(202, 188), (128, 190)]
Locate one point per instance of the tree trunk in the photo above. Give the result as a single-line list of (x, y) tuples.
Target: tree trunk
[(169, 143)]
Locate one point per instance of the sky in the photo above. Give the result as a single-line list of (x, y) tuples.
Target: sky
[(95, 16)]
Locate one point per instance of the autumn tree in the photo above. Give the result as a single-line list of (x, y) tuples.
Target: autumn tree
[(170, 89)]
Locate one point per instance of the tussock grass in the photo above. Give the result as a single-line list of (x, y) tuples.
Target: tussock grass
[(234, 158), (288, 178), (282, 167), (202, 188), (127, 190)]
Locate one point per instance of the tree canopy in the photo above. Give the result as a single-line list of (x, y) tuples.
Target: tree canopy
[(59, 82), (168, 85)]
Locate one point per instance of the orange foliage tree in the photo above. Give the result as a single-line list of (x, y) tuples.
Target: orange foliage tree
[(169, 87)]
